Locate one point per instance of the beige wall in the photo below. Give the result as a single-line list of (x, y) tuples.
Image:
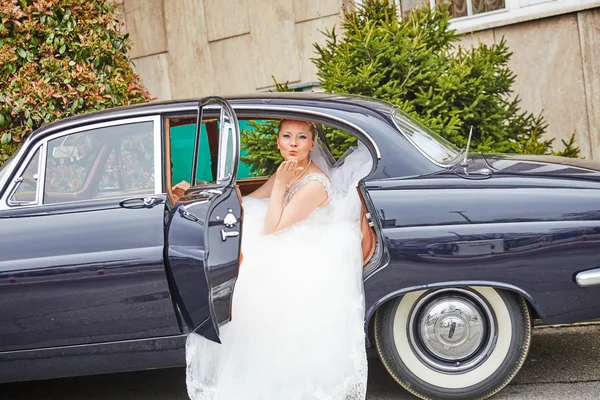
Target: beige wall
[(192, 48), (557, 63)]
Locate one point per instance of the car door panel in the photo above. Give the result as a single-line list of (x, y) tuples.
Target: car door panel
[(81, 268), (82, 275), (204, 236)]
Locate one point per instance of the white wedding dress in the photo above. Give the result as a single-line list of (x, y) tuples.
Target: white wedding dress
[(297, 330)]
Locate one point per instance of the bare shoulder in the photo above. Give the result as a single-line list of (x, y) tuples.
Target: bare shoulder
[(313, 190)]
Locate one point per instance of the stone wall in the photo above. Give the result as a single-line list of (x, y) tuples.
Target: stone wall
[(192, 48)]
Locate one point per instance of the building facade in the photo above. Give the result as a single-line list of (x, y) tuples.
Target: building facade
[(192, 48)]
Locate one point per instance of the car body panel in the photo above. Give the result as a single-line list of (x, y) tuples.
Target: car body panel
[(201, 263), (516, 232), (93, 359), (205, 231), (65, 283), (481, 222)]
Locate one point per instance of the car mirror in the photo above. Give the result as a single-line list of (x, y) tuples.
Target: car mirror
[(65, 152)]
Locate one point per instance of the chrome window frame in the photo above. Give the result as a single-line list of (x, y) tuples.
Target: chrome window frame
[(16, 182), (158, 161), (229, 134)]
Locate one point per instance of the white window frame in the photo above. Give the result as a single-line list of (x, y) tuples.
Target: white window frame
[(515, 11)]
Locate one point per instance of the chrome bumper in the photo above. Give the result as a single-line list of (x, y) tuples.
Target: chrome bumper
[(588, 278)]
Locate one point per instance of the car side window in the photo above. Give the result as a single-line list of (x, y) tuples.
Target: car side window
[(111, 181), (69, 161), (26, 190), (106, 162), (136, 152)]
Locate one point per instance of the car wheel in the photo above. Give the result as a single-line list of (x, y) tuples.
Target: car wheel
[(454, 343)]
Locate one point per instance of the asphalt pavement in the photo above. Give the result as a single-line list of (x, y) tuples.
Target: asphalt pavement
[(563, 363)]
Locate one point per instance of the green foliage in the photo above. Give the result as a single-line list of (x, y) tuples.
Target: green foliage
[(60, 58), (260, 142), (415, 64)]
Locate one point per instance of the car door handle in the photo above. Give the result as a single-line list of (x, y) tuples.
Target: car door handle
[(226, 235), (211, 192), (141, 202)]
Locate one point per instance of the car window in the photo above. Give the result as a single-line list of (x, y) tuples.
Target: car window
[(181, 139), (258, 148), (106, 162), (434, 146), (69, 161), (136, 152), (129, 166), (26, 190), (259, 156)]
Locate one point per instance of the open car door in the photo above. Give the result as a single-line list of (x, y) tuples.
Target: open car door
[(204, 231)]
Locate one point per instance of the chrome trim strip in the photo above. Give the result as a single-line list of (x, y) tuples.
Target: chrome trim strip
[(225, 137), (39, 196), (124, 121), (6, 204), (588, 278), (90, 345), (158, 153), (7, 173)]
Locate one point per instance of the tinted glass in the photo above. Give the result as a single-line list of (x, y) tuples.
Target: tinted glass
[(427, 141), (113, 161)]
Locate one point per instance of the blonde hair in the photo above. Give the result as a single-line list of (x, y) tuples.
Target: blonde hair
[(311, 127)]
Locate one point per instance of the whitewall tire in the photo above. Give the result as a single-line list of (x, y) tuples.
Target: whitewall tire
[(454, 343)]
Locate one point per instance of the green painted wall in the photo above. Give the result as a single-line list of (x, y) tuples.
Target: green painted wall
[(182, 148)]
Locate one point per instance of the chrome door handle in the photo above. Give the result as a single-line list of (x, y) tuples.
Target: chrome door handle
[(227, 235), (150, 201), (141, 202), (211, 191)]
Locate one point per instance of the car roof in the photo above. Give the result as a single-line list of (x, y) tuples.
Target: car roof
[(310, 99)]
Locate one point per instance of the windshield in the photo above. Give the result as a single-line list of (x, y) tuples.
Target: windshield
[(432, 145)]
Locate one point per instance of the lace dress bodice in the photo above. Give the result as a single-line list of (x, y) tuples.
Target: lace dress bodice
[(314, 177)]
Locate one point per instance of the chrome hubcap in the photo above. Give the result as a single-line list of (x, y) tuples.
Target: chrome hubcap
[(452, 329)]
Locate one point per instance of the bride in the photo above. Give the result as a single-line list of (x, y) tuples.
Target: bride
[(297, 319)]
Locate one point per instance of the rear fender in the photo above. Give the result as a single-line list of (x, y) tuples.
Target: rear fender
[(400, 292)]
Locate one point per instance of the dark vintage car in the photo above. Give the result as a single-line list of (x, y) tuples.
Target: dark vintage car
[(104, 268)]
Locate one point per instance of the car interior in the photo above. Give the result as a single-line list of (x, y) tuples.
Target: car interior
[(180, 133)]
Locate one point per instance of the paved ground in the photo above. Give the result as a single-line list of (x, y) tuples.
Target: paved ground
[(564, 363)]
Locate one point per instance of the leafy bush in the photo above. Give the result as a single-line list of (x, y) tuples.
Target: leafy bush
[(60, 58), (415, 64)]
